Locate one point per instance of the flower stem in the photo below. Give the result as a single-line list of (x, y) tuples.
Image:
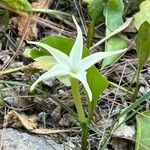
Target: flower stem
[(77, 99), (84, 137), (79, 107), (90, 34)]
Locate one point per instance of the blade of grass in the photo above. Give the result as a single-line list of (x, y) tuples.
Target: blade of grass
[(50, 11), (133, 106)]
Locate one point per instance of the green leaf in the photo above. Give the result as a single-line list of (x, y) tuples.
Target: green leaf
[(97, 82), (142, 15), (20, 5), (35, 52), (95, 9), (143, 45), (113, 19), (143, 126)]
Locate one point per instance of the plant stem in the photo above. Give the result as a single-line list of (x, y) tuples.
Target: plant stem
[(77, 99), (121, 88), (90, 34), (137, 85), (79, 107), (84, 137)]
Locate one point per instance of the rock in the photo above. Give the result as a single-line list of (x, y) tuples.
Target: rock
[(125, 132), (16, 140)]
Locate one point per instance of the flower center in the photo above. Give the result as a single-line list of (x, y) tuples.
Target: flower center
[(74, 70)]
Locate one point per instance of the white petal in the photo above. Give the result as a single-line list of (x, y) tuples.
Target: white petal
[(58, 55), (77, 49), (81, 76), (89, 61), (56, 70)]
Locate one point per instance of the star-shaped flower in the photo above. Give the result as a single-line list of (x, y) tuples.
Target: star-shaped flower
[(72, 65)]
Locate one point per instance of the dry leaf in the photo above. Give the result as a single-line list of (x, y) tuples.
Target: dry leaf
[(16, 120), (28, 28), (50, 131)]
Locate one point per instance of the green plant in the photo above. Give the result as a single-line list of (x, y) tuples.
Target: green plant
[(19, 5), (96, 15), (74, 68), (142, 134), (112, 12), (143, 51), (143, 15)]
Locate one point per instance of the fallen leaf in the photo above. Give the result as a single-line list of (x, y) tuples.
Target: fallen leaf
[(19, 119), (50, 131), (15, 119), (28, 28)]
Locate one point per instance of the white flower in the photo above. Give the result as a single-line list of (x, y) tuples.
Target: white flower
[(73, 64)]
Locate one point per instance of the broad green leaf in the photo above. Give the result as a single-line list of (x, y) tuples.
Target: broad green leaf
[(35, 52), (95, 9), (142, 15), (20, 5), (143, 45), (98, 83), (113, 19), (143, 127)]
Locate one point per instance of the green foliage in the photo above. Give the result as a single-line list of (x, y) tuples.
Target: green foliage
[(20, 5), (143, 14), (142, 135), (95, 9), (35, 52), (143, 45), (5, 18), (113, 19)]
